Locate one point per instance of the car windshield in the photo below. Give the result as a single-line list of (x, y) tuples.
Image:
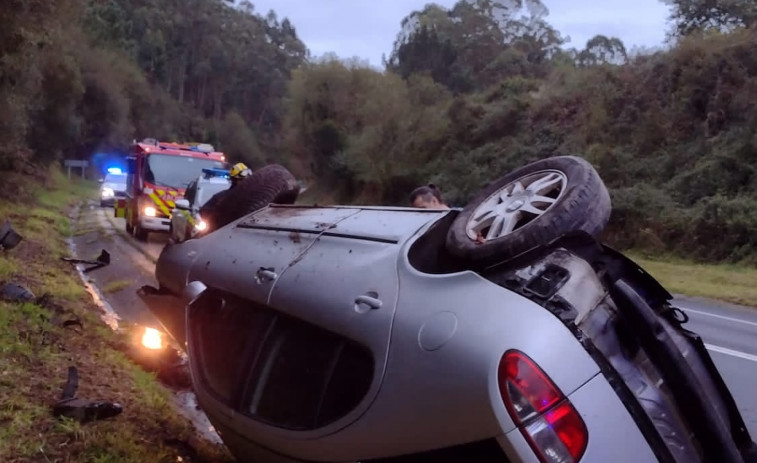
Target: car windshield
[(176, 171), (208, 190), (115, 179)]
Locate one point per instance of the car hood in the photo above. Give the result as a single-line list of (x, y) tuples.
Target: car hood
[(114, 186)]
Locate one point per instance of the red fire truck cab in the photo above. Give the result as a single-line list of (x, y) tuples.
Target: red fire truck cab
[(157, 175)]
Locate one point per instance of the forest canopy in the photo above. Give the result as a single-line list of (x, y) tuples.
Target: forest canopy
[(466, 94)]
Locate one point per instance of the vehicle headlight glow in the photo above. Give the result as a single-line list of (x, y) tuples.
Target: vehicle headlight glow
[(152, 339), (107, 193), (150, 211), (201, 225)]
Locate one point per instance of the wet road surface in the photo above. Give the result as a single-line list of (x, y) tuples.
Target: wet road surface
[(730, 334), (132, 267)]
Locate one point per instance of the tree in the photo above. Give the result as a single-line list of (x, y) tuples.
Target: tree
[(694, 15), (360, 130), (213, 55), (476, 43), (603, 50)]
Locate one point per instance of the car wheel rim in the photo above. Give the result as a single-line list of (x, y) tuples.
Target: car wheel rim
[(516, 204)]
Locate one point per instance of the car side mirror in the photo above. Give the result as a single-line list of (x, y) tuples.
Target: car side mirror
[(182, 204)]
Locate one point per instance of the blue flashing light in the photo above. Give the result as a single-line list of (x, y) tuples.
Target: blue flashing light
[(215, 172), (115, 170)]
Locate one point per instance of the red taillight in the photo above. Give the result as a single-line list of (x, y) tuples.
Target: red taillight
[(547, 419)]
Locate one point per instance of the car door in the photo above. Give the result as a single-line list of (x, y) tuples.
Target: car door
[(339, 300), (248, 258), (291, 337)]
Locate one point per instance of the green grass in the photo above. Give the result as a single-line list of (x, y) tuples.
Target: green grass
[(726, 282), (116, 286), (8, 267), (35, 353), (64, 286)]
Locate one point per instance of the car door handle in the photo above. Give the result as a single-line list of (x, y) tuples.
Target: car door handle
[(266, 274), (372, 302)]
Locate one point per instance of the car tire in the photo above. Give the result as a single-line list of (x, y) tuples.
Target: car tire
[(528, 207), (140, 233), (270, 184)]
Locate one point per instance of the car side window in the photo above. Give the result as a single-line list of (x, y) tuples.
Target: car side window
[(286, 372), (224, 334)]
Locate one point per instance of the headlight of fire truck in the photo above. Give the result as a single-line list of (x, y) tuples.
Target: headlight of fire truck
[(200, 225), (150, 211)]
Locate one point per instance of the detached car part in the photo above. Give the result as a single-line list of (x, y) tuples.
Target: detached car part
[(82, 410), (9, 239), (102, 260)]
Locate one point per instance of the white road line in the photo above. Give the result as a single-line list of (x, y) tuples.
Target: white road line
[(722, 317), (731, 352)]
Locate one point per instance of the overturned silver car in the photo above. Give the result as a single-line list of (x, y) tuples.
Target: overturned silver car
[(502, 332)]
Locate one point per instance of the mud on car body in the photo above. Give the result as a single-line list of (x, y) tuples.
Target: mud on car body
[(374, 334)]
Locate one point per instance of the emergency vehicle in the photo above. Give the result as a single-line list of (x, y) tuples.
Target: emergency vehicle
[(158, 174)]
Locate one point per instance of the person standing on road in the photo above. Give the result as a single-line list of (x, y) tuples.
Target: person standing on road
[(428, 197)]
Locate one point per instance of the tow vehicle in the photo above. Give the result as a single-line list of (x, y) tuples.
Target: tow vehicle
[(158, 174)]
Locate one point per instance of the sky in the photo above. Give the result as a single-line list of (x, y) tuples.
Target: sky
[(367, 28)]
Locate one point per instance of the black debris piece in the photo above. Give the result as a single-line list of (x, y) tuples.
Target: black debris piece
[(102, 260), (147, 290), (9, 239), (82, 410), (72, 384), (16, 293), (170, 367)]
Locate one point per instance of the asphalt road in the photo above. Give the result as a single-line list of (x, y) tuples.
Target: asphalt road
[(132, 266), (729, 331), (730, 334)]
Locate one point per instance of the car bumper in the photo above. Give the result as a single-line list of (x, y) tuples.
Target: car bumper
[(155, 224), (613, 434)]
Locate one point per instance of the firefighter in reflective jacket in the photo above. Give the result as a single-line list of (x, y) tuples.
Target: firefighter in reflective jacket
[(238, 172)]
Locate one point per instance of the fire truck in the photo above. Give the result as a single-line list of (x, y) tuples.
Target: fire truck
[(157, 175)]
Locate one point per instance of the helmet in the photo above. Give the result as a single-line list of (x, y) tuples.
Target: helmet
[(239, 170)]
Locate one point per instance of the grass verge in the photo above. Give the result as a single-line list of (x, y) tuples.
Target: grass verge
[(725, 282), (35, 353)]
